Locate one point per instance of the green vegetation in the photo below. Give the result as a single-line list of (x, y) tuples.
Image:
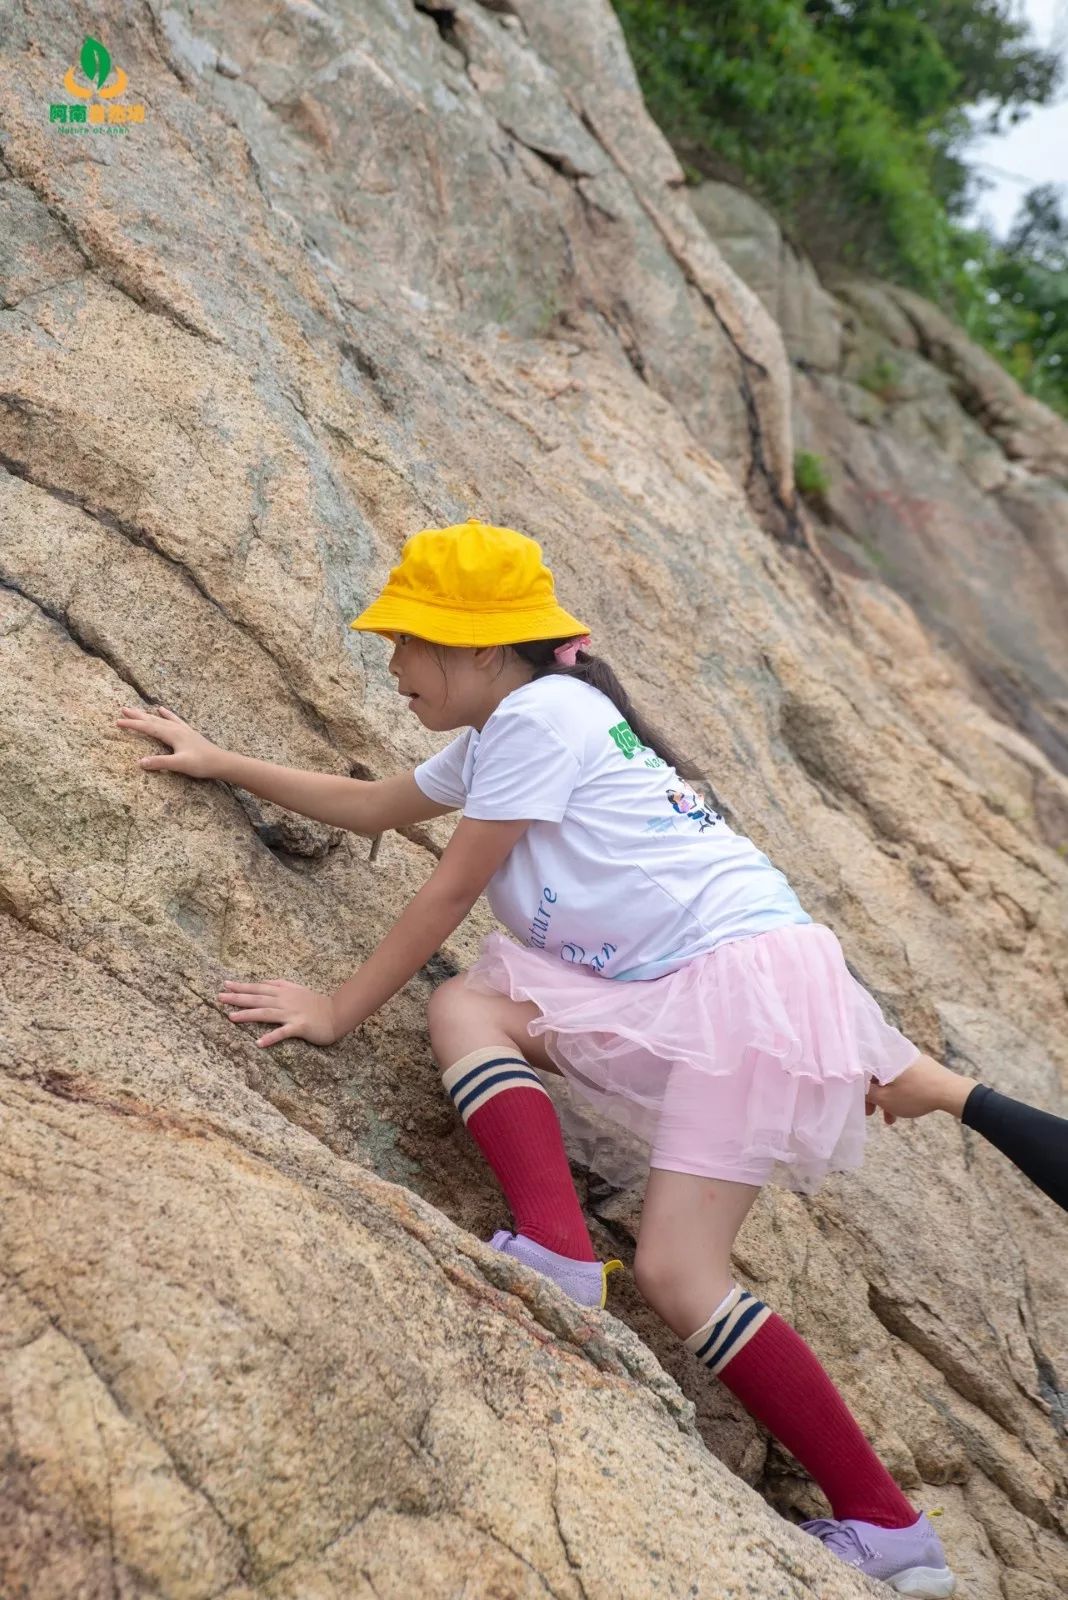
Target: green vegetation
[(1014, 298), (881, 377), (847, 119), (810, 474)]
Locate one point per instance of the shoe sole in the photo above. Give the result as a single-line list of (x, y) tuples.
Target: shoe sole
[(924, 1583)]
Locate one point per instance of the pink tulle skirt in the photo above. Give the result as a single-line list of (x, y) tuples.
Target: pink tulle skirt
[(749, 1063)]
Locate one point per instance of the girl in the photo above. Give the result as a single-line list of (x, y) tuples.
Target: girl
[(665, 967)]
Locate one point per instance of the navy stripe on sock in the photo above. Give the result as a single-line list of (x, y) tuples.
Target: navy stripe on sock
[(739, 1327), (521, 1079), (700, 1354), (485, 1066), (717, 1327)]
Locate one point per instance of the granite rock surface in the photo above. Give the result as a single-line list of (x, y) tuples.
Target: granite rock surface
[(363, 269)]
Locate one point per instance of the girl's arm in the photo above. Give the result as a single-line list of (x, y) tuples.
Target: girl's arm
[(469, 860), (361, 805)]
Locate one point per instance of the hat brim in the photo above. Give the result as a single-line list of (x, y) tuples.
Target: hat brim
[(440, 626)]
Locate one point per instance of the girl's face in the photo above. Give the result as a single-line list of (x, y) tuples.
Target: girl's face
[(469, 690)]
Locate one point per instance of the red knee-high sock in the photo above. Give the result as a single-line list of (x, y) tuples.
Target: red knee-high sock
[(511, 1118), (781, 1383)]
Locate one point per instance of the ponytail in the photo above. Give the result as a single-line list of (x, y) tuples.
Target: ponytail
[(592, 669), (538, 653)]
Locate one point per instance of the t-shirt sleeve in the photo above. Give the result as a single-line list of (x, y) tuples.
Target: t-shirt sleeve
[(523, 769), (441, 776)]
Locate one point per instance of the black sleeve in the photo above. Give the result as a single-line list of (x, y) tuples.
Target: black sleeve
[(1036, 1141)]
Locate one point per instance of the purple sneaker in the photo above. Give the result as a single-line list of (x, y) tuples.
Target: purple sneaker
[(911, 1560), (584, 1281)]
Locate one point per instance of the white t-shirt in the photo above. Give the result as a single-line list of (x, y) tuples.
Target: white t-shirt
[(623, 868)]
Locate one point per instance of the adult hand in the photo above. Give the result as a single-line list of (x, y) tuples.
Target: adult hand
[(190, 752), (301, 1013)]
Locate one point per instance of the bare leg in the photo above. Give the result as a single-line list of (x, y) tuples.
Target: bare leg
[(460, 1019), (487, 1056), (683, 1269), (682, 1265)]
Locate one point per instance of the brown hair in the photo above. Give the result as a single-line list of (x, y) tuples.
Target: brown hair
[(538, 653)]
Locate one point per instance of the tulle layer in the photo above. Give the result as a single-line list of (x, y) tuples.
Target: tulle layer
[(750, 1062)]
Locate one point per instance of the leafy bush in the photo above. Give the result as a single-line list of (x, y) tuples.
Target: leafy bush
[(1013, 298), (847, 119), (810, 474)]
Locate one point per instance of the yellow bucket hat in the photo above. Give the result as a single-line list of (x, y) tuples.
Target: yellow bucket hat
[(468, 585)]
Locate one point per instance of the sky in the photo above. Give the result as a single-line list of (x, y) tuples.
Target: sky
[(1036, 150)]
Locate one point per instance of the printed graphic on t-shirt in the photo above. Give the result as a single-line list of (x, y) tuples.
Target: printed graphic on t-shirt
[(628, 744), (626, 740), (539, 924), (688, 804), (576, 955), (684, 802)]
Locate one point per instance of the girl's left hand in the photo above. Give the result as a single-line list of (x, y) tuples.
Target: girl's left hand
[(871, 1105), (301, 1013)]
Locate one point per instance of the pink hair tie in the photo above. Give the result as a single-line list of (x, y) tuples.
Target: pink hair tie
[(565, 653)]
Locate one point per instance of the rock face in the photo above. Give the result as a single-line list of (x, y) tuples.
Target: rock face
[(362, 270), (945, 481)]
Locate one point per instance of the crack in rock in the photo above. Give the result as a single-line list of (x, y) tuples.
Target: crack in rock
[(141, 537), (95, 255)]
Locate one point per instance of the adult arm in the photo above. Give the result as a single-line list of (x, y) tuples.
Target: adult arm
[(1035, 1141)]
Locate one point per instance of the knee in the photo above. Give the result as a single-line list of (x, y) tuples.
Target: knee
[(682, 1292), (445, 1001), (659, 1277), (660, 1287)]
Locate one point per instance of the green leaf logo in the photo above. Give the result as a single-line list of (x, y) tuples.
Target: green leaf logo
[(95, 61)]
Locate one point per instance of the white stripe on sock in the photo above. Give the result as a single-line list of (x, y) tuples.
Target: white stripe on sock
[(696, 1340), (474, 1100), (480, 1075), (737, 1307)]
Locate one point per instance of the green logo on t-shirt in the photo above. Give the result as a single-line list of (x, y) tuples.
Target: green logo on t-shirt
[(628, 744), (626, 739)]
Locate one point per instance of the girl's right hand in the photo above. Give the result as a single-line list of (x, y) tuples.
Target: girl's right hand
[(190, 752)]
